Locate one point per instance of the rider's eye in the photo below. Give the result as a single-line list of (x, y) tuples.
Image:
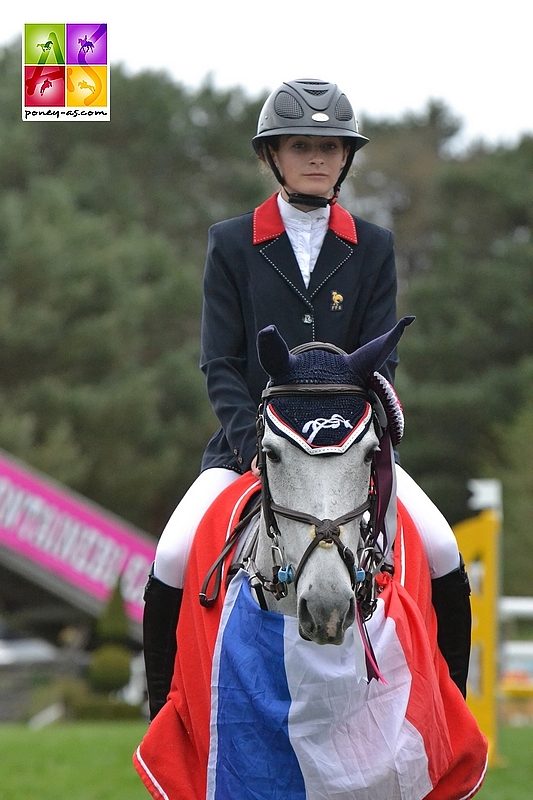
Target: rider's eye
[(272, 456)]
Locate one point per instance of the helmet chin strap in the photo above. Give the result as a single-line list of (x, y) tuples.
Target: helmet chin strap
[(311, 200)]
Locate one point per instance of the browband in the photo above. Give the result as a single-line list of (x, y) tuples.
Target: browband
[(288, 389)]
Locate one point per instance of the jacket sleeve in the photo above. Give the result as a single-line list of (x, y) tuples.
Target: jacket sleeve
[(224, 353), (380, 313)]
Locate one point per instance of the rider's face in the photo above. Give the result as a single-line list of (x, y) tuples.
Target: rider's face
[(310, 164)]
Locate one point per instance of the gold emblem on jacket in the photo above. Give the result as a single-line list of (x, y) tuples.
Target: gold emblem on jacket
[(336, 301)]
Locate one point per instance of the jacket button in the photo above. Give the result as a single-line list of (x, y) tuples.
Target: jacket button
[(235, 451), (239, 459), (308, 319)]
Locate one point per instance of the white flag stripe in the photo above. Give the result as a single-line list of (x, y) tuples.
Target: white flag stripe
[(347, 734)]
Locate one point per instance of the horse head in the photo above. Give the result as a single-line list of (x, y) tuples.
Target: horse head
[(319, 430)]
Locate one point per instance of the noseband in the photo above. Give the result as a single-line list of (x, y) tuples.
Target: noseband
[(326, 530)]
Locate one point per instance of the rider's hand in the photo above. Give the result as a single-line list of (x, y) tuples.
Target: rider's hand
[(254, 468)]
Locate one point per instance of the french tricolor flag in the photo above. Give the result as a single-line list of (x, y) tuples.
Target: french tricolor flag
[(257, 713)]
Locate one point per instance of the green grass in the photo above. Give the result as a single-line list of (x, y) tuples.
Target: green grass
[(78, 761), (92, 761), (512, 777)]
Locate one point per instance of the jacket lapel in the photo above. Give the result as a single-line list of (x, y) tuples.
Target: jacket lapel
[(334, 253), (337, 248), (274, 245), (280, 255)]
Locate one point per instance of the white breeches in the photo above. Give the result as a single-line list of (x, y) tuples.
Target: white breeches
[(437, 537), (175, 543), (176, 540)]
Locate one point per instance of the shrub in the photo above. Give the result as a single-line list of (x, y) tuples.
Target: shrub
[(112, 625), (97, 706), (109, 668)]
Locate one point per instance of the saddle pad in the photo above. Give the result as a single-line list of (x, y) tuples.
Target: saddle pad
[(257, 713)]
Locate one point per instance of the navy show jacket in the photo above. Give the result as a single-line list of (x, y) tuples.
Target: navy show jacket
[(252, 279)]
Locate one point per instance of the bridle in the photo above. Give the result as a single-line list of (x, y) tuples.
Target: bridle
[(370, 555), (325, 530)]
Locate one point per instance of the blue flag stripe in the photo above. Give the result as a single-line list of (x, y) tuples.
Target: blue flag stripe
[(254, 755)]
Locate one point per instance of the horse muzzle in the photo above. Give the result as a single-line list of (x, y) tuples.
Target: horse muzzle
[(325, 623)]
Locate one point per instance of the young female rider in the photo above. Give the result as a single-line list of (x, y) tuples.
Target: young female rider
[(301, 262)]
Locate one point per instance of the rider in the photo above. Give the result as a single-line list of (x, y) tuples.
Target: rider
[(302, 262)]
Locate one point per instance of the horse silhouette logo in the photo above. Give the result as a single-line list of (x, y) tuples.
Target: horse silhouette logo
[(46, 84), (84, 85), (336, 301), (85, 45)]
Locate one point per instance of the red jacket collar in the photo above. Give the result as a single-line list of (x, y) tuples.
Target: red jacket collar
[(268, 224)]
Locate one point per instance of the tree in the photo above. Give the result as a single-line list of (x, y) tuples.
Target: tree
[(96, 332), (396, 177), (468, 351), (515, 470)]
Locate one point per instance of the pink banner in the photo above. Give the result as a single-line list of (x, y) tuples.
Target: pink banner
[(68, 537)]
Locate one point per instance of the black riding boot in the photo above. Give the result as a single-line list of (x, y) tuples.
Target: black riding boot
[(451, 600), (161, 609)]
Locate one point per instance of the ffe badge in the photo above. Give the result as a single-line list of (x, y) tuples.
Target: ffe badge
[(336, 301)]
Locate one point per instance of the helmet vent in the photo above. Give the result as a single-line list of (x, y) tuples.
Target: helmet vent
[(343, 109), (287, 106)]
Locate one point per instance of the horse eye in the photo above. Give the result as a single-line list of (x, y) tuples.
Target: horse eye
[(272, 456), (370, 455)]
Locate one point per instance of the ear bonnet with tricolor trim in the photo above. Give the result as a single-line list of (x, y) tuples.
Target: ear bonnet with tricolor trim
[(337, 420)]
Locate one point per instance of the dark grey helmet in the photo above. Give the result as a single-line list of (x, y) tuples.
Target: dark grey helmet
[(310, 107)]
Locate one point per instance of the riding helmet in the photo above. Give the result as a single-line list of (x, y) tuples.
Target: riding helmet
[(310, 107)]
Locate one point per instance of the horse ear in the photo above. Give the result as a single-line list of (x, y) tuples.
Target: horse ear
[(273, 351), (371, 356)]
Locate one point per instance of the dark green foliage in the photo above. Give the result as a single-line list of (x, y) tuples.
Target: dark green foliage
[(466, 370), (515, 470)]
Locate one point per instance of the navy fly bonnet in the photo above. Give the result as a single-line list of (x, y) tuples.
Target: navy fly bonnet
[(331, 423)]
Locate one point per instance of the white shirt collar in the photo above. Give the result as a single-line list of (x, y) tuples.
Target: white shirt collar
[(290, 214), (306, 232)]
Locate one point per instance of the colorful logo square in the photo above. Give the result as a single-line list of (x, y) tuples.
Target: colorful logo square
[(44, 43), (87, 86), (44, 86), (86, 44), (65, 72)]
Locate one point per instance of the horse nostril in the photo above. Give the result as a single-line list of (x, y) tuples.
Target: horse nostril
[(305, 619), (349, 619)]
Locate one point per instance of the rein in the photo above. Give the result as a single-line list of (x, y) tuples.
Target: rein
[(218, 567)]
